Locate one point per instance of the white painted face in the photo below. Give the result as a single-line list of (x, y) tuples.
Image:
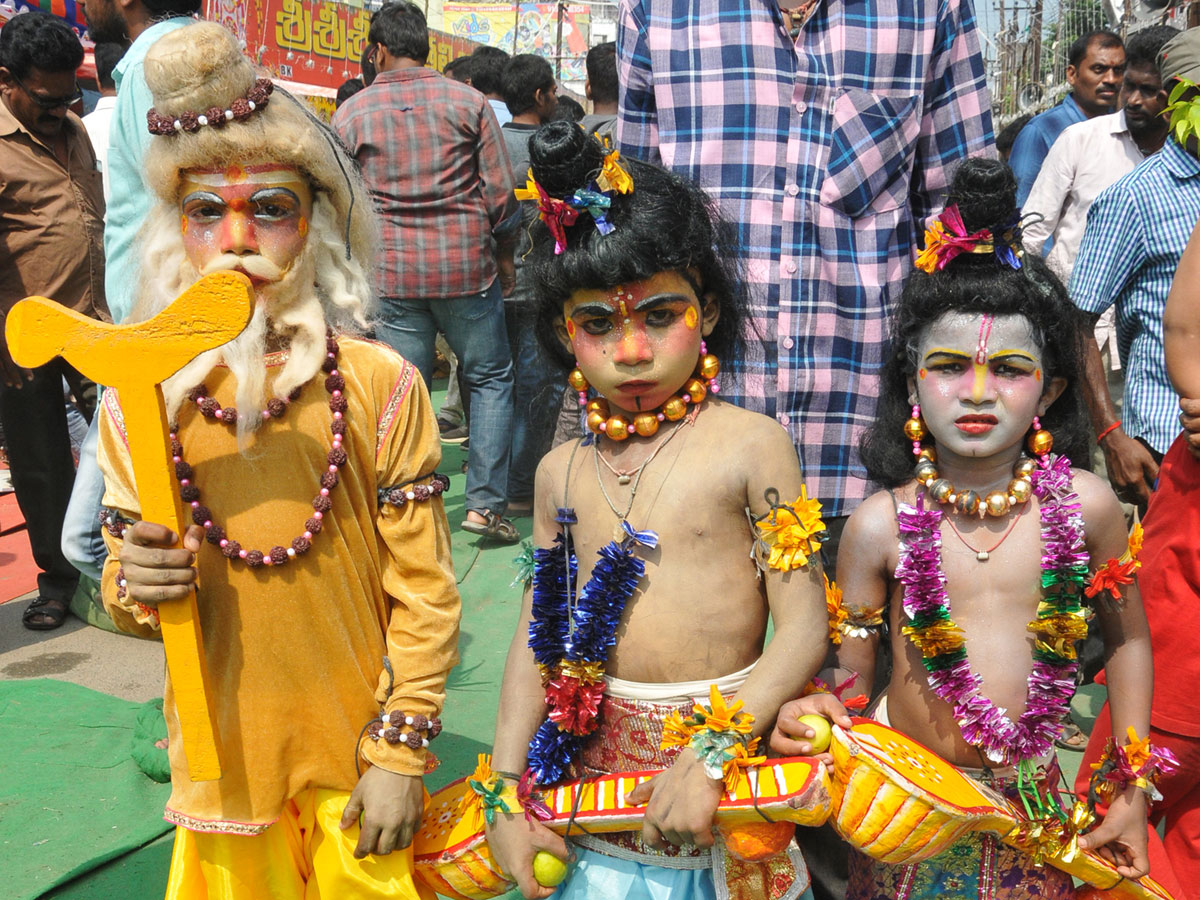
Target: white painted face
[(980, 381)]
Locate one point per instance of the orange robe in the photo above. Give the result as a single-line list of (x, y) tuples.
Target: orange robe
[(296, 653)]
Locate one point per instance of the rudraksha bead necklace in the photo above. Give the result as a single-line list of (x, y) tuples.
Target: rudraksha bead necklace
[(203, 516)]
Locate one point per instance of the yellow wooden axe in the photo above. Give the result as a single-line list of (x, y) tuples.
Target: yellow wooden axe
[(136, 359)]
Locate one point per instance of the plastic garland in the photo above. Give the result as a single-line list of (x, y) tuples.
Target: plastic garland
[(571, 644), (1139, 763), (789, 534), (719, 734), (1060, 622)]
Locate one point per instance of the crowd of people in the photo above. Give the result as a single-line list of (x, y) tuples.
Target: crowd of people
[(777, 259)]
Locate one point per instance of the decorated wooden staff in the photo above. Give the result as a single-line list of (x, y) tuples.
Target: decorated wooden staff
[(136, 359), (899, 802)]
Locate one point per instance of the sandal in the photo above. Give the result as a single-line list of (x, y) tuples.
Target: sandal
[(45, 614), (496, 527), (1072, 737)]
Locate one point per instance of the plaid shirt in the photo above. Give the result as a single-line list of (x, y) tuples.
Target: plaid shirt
[(827, 152), (1135, 235), (434, 159)]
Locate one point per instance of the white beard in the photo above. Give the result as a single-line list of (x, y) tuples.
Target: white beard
[(320, 288), (288, 310)]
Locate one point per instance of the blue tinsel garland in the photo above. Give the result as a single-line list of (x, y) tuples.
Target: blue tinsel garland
[(597, 613)]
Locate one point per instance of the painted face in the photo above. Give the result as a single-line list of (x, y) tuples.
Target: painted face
[(637, 343), (980, 382), (253, 220)]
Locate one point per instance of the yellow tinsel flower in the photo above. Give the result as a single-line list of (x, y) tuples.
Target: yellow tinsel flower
[(1135, 544), (676, 731), (530, 191), (1137, 750), (834, 609), (1058, 634), (721, 716), (613, 176), (935, 236), (587, 672), (1049, 838), (936, 639), (790, 532), (738, 762), (471, 802)]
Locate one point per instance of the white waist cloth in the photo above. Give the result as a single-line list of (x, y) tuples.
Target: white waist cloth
[(675, 691)]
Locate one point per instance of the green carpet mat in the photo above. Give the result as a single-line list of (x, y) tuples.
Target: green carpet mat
[(71, 797)]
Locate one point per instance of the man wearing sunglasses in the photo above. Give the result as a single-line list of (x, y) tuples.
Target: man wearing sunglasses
[(51, 244)]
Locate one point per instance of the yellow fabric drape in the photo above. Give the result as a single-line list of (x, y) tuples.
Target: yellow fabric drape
[(303, 856)]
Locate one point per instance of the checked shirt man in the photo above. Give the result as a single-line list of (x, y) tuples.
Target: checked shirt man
[(827, 134)]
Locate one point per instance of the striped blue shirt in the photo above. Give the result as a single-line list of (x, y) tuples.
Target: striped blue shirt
[(827, 151), (1136, 232)]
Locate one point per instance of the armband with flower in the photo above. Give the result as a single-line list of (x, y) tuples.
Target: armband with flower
[(720, 736), (493, 791), (490, 791), (844, 621), (788, 534), (1116, 573), (1139, 764)]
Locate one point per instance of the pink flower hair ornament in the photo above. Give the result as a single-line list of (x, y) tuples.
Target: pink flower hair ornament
[(555, 213), (947, 237)]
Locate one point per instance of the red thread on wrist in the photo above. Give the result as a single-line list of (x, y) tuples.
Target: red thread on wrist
[(1107, 431)]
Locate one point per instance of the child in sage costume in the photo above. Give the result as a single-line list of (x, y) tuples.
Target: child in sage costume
[(646, 598), (977, 556)]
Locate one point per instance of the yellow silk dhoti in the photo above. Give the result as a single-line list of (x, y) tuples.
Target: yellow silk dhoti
[(302, 856)]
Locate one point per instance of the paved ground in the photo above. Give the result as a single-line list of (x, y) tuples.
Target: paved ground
[(115, 664)]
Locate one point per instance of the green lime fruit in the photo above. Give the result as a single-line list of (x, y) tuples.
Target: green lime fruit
[(548, 869), (821, 729)]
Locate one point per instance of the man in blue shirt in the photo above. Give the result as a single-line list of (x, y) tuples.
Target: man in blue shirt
[(1095, 65), (1136, 232)]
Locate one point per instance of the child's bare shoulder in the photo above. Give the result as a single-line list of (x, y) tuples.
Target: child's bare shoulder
[(554, 464), (1103, 516), (871, 531), (748, 432), (1096, 497)]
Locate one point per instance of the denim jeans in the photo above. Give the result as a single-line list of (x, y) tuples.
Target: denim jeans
[(82, 542), (537, 393), (474, 329)]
